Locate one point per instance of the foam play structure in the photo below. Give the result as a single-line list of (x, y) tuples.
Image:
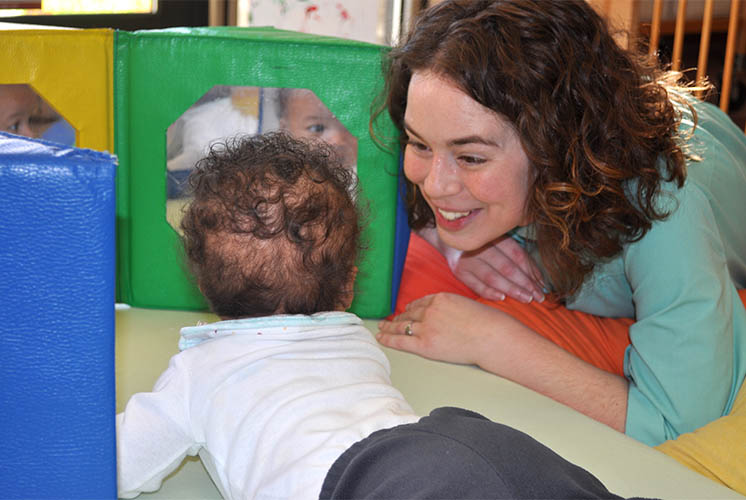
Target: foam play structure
[(70, 68), (344, 74), (121, 91), (67, 226), (57, 321)]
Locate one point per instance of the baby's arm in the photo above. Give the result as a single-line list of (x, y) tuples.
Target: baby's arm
[(153, 434)]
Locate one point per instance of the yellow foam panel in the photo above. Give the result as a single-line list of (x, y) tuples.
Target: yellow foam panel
[(71, 69)]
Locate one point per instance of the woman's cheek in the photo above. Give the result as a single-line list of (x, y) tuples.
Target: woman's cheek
[(415, 168)]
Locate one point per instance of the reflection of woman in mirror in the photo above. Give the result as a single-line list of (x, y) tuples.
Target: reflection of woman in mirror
[(304, 115), (18, 106)]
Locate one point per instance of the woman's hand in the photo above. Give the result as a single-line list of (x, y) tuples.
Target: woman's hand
[(443, 326), (500, 269), (456, 329), (494, 271)]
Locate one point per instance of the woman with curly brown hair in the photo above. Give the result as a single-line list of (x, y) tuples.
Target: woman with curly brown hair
[(540, 153)]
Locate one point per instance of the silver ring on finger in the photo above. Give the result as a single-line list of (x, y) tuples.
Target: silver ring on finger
[(408, 329)]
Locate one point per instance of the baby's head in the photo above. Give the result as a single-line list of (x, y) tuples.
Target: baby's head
[(304, 115), (18, 105), (273, 228)]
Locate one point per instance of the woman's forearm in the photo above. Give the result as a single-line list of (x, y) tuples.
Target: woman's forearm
[(456, 329), (516, 352)]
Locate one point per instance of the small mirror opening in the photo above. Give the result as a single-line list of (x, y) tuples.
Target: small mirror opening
[(23, 111), (228, 111)]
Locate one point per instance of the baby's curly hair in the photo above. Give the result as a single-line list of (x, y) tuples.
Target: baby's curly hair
[(596, 121), (272, 228)]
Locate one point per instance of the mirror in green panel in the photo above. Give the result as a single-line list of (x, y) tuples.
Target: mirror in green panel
[(228, 111)]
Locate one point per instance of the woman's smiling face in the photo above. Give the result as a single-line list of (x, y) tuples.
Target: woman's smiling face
[(466, 160)]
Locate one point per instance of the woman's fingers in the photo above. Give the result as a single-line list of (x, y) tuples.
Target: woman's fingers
[(492, 273), (443, 326), (528, 275)]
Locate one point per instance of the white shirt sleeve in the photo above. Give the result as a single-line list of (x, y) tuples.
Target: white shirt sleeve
[(153, 433)]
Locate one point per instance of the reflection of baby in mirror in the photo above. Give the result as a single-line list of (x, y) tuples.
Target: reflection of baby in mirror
[(18, 106), (24, 112), (304, 115), (222, 113)]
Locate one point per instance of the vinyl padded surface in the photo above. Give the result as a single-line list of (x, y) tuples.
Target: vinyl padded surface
[(57, 395)]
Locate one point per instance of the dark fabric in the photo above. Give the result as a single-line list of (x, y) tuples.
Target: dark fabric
[(456, 454)]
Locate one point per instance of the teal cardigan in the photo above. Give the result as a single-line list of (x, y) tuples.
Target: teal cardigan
[(687, 358)]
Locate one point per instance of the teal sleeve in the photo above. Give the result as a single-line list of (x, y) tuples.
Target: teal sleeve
[(680, 364)]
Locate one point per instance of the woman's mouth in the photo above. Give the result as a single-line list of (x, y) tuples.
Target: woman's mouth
[(453, 220), (453, 215)]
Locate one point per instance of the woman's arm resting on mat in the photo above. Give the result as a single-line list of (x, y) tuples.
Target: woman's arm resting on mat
[(456, 329)]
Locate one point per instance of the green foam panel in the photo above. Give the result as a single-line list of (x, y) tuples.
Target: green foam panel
[(160, 73)]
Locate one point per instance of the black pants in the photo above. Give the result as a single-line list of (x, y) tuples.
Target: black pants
[(456, 454)]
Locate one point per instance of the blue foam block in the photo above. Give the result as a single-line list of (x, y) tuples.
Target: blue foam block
[(57, 394), (401, 235)]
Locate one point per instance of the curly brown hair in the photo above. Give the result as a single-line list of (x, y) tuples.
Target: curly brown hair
[(272, 228), (597, 122)]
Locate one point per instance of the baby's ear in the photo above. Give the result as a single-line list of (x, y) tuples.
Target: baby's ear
[(350, 291)]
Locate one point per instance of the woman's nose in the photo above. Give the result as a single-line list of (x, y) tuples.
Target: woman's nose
[(442, 178)]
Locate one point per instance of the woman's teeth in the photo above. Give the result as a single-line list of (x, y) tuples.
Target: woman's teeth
[(453, 215)]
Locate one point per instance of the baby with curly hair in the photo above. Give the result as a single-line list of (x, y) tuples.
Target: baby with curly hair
[(289, 396)]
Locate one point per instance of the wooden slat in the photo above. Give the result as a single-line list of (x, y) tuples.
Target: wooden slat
[(678, 39), (730, 51), (655, 27), (704, 45), (231, 13), (216, 12)]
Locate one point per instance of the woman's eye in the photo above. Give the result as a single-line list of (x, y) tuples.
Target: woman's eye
[(14, 127), (418, 146), (472, 160)]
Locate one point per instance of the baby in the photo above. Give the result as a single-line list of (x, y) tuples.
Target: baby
[(289, 396), (18, 106), (24, 112), (304, 115)]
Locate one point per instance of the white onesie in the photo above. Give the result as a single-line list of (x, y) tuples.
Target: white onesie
[(268, 403)]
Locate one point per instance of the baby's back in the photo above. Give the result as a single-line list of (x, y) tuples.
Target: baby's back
[(276, 406)]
